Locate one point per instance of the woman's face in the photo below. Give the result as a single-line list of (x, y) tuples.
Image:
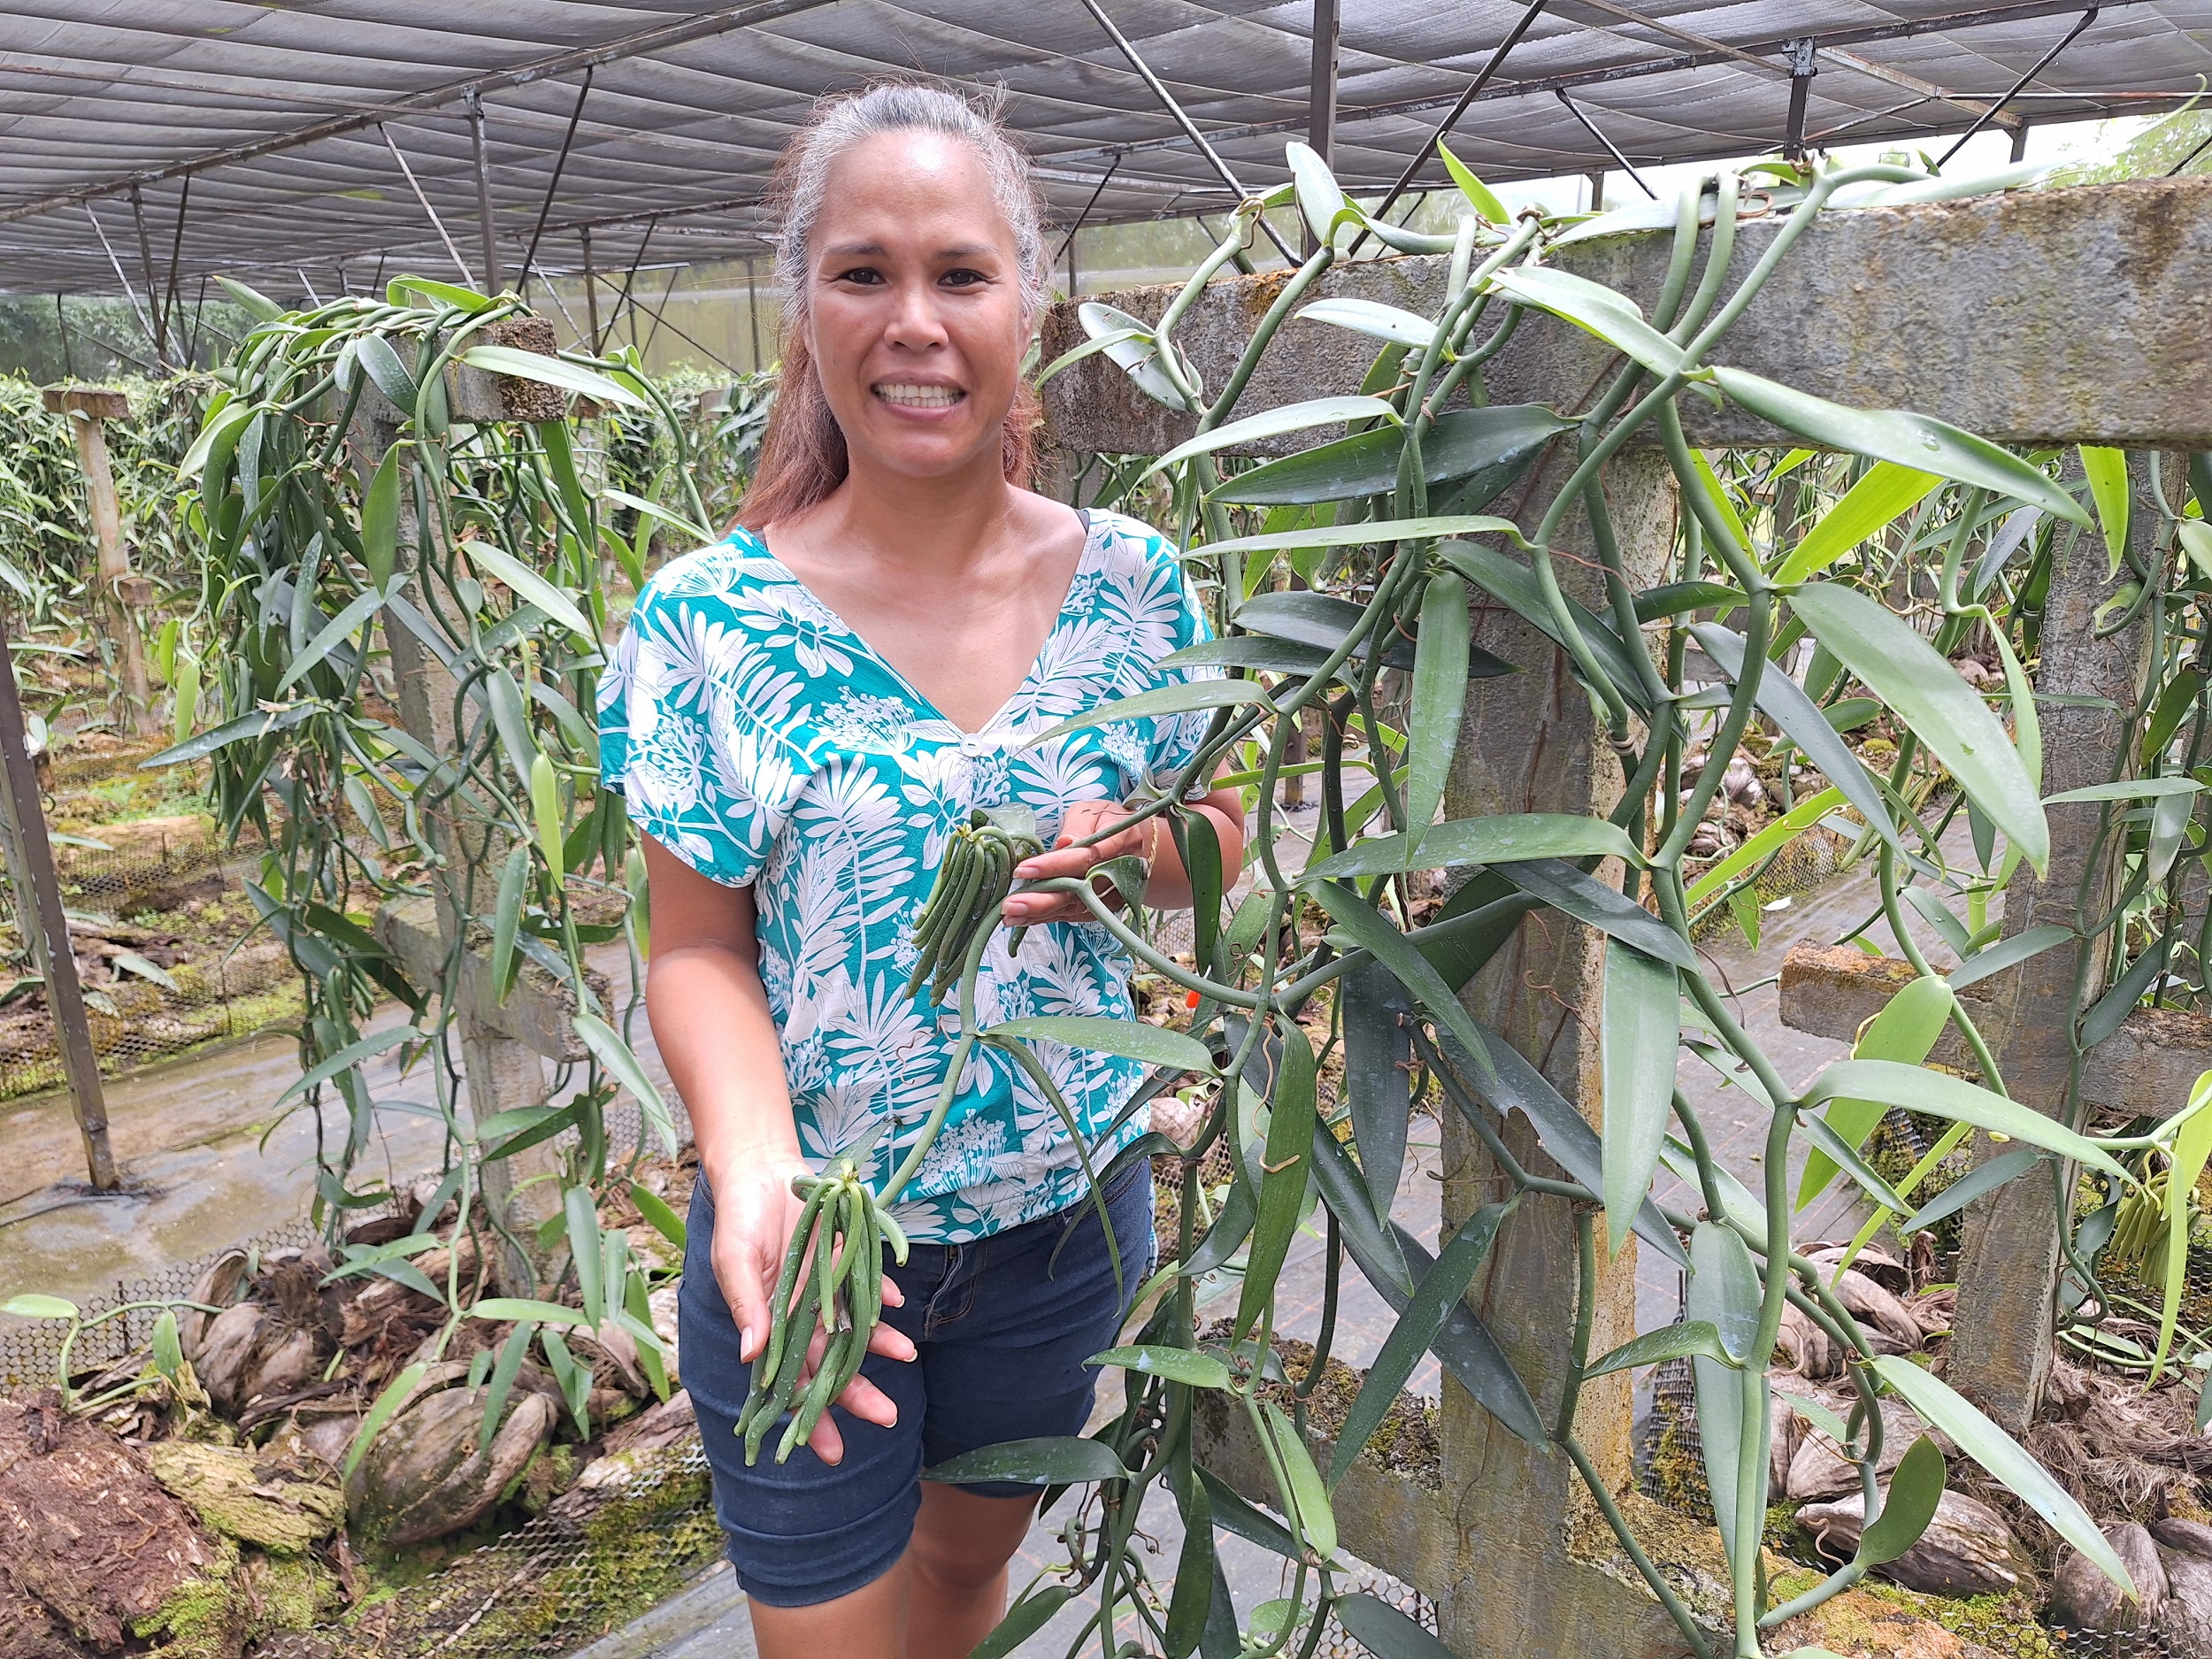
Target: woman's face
[(917, 324)]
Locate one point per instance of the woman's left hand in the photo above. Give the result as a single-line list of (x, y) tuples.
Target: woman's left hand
[(1065, 858)]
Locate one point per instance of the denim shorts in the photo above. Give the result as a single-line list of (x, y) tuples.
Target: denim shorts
[(1003, 1329)]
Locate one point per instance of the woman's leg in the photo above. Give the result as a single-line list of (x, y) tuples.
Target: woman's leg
[(869, 1624), (956, 1569)]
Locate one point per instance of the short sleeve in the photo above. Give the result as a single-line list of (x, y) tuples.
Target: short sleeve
[(702, 766)]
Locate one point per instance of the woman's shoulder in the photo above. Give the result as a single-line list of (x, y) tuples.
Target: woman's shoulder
[(724, 570), (1124, 540)]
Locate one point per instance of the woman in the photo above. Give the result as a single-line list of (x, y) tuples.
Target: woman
[(797, 717)]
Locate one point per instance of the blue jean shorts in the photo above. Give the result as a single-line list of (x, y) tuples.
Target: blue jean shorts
[(1003, 1329)]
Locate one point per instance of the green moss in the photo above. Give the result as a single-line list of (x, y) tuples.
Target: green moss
[(205, 1618)]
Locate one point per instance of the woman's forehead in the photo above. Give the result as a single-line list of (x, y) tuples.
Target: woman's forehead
[(909, 186)]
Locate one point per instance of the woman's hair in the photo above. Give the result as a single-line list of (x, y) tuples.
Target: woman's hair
[(802, 457)]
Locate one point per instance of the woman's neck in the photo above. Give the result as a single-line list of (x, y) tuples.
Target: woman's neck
[(936, 526)]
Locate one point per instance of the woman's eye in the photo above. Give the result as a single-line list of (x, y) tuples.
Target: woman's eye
[(860, 276), (963, 278)]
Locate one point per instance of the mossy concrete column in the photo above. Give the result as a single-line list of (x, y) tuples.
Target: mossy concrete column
[(1527, 1532)]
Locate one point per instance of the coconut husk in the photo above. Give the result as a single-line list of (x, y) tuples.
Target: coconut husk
[(2187, 1617), (1880, 1312), (1968, 1550), (217, 1286), (2193, 1538), (1872, 1260), (265, 1502), (1786, 1432), (2083, 1598), (2116, 1448), (1811, 1354), (1819, 1471), (424, 1476), (614, 1358)]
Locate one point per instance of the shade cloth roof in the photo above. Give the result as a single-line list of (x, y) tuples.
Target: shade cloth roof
[(286, 122)]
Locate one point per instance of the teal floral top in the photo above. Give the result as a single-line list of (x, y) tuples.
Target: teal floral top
[(759, 738)]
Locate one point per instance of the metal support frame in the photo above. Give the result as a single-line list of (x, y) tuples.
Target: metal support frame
[(129, 293), (1067, 246), (41, 921), (1803, 66), (560, 163), (752, 308), (591, 290), (485, 233), (1464, 102), (1612, 148), (1190, 128), (61, 322), (629, 279), (436, 224), (1321, 89), (2020, 85), (158, 334), (165, 313)]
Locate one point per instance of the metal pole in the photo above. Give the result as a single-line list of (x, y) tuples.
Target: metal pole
[(1612, 148), (160, 335), (1321, 93), (1465, 102), (436, 223), (560, 164), (492, 283), (61, 321), (168, 309), (2020, 85), (1190, 127), (47, 928), (1803, 67), (752, 311), (2020, 142), (591, 293)]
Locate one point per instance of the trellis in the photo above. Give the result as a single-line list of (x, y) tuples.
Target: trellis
[(2029, 318)]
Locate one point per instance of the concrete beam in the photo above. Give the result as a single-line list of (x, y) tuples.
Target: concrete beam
[(2147, 1067), (538, 1011), (2032, 317)]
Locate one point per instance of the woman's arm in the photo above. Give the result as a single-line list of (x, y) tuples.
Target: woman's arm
[(711, 1020), (1168, 887)]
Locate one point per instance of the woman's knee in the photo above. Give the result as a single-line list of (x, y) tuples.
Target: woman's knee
[(963, 1541)]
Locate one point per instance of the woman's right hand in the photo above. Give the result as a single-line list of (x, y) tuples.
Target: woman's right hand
[(754, 1215)]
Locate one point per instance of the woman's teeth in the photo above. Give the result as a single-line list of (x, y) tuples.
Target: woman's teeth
[(919, 396)]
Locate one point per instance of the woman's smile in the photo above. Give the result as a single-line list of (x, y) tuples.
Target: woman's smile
[(918, 395)]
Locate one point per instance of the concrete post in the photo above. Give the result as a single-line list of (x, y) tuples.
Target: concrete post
[(86, 408), (1533, 743), (2087, 690)]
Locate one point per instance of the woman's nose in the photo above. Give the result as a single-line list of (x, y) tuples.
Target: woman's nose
[(914, 322)]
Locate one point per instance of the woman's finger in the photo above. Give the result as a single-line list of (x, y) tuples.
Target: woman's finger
[(738, 1269), (828, 1443), (888, 1341), (869, 1403)]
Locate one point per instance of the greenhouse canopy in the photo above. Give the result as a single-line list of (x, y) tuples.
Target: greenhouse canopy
[(145, 144)]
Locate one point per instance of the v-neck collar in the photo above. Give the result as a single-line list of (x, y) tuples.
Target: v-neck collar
[(923, 705)]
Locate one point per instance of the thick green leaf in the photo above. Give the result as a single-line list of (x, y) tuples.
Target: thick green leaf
[(2008, 953), (1233, 1515), (584, 1252), (1308, 1496), (507, 918), (1924, 691), (376, 355), (1386, 1632), (1942, 1406), (613, 1052), (1155, 1045), (1725, 1293), (1514, 585), (2128, 789), (1693, 1339), (1364, 1226), (1483, 199), (1320, 198), (1377, 1077), (1613, 318), (1763, 845), (1064, 1460), (2110, 1011), (1202, 694), (1287, 1167), (1181, 1365), (558, 372), (1887, 491), (1917, 1089), (1567, 889), (1508, 838), (1422, 1317), (1467, 1351), (1190, 1603), (1982, 1178), (1637, 1039), (1675, 599), (2191, 1147), (258, 305), (1386, 323), (2106, 471), (397, 1394), (511, 1354), (1317, 624), (1905, 1030), (1319, 412), (1138, 357), (663, 1220), (1802, 721), (1489, 448), (1914, 1490), (1439, 695), (1031, 1611), (358, 611), (1387, 530), (530, 588), (380, 519), (500, 1308), (1920, 442), (245, 728), (347, 1058), (32, 1305)]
